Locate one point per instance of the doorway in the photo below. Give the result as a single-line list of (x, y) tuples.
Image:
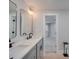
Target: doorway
[(50, 30)]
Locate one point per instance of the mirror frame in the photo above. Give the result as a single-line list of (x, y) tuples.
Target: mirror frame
[(16, 20), (25, 34), (21, 34)]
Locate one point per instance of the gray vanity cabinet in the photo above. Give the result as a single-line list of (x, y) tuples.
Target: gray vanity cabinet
[(31, 54), (36, 52), (40, 49)]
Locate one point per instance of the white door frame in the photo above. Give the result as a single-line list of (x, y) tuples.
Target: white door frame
[(45, 14)]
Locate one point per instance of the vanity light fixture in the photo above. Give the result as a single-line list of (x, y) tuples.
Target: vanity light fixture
[(30, 11)]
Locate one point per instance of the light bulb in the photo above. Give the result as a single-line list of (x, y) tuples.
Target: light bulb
[(30, 11)]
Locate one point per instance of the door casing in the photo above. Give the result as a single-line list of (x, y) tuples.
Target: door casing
[(53, 14)]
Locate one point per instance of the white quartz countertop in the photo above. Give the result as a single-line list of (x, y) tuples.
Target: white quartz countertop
[(22, 48)]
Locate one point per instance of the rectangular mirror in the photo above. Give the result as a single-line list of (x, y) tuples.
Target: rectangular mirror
[(25, 22), (12, 20)]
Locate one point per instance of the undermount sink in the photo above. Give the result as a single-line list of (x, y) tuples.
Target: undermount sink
[(22, 45), (19, 47), (27, 43)]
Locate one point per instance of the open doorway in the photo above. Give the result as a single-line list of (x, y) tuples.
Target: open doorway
[(50, 29)]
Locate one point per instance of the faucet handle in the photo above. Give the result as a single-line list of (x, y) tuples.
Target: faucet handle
[(24, 34)]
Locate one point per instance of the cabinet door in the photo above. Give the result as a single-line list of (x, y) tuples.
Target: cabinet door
[(40, 50), (31, 54)]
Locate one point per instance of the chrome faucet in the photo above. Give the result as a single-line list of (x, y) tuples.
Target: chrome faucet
[(29, 36), (11, 43)]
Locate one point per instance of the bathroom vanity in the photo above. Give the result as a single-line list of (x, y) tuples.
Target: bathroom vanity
[(36, 52), (27, 49), (31, 54), (23, 42)]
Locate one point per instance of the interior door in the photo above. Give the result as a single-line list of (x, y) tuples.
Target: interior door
[(50, 45)]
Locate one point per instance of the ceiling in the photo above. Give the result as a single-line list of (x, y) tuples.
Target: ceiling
[(49, 4)]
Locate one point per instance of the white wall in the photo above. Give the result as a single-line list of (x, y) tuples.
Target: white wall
[(63, 26), (63, 29)]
